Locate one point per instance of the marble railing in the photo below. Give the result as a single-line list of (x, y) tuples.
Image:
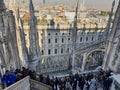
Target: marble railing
[(92, 46), (35, 85), (23, 84), (28, 84)]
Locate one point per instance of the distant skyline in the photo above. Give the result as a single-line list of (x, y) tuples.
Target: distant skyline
[(94, 4)]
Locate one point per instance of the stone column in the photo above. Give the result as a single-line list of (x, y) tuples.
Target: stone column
[(84, 61)]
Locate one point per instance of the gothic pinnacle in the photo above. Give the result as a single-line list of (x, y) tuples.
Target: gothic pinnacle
[(31, 7)]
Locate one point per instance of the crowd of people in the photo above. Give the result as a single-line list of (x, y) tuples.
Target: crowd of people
[(10, 78), (89, 81)]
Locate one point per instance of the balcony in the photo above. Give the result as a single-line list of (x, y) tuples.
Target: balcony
[(28, 84)]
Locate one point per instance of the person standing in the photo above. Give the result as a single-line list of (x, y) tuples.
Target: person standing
[(8, 78), (93, 84)]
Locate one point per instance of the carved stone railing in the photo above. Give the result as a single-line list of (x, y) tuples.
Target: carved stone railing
[(35, 85), (92, 46), (23, 84), (28, 84)]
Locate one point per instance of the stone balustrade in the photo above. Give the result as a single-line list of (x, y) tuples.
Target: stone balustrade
[(35, 85), (23, 84), (28, 84)]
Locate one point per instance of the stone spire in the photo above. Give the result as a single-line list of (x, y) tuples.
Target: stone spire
[(22, 43), (74, 35), (34, 50), (112, 55), (116, 23), (74, 32), (31, 10), (8, 37), (109, 21), (2, 5)]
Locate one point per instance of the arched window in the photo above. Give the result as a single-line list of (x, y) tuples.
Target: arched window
[(92, 38), (49, 51), (81, 39), (67, 49), (55, 40), (42, 52), (49, 41), (61, 50), (62, 40), (55, 51), (86, 38)]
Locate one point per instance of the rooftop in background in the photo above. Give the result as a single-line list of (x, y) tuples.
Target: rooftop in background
[(93, 4)]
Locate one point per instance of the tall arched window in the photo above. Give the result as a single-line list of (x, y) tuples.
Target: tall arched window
[(55, 40), (49, 41), (42, 52), (67, 49), (86, 38), (62, 40), (49, 51), (61, 50), (81, 39), (92, 38), (55, 51)]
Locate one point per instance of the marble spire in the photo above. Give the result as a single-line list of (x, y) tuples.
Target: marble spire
[(22, 43), (8, 38), (109, 21), (34, 49), (112, 55), (74, 35), (75, 24)]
